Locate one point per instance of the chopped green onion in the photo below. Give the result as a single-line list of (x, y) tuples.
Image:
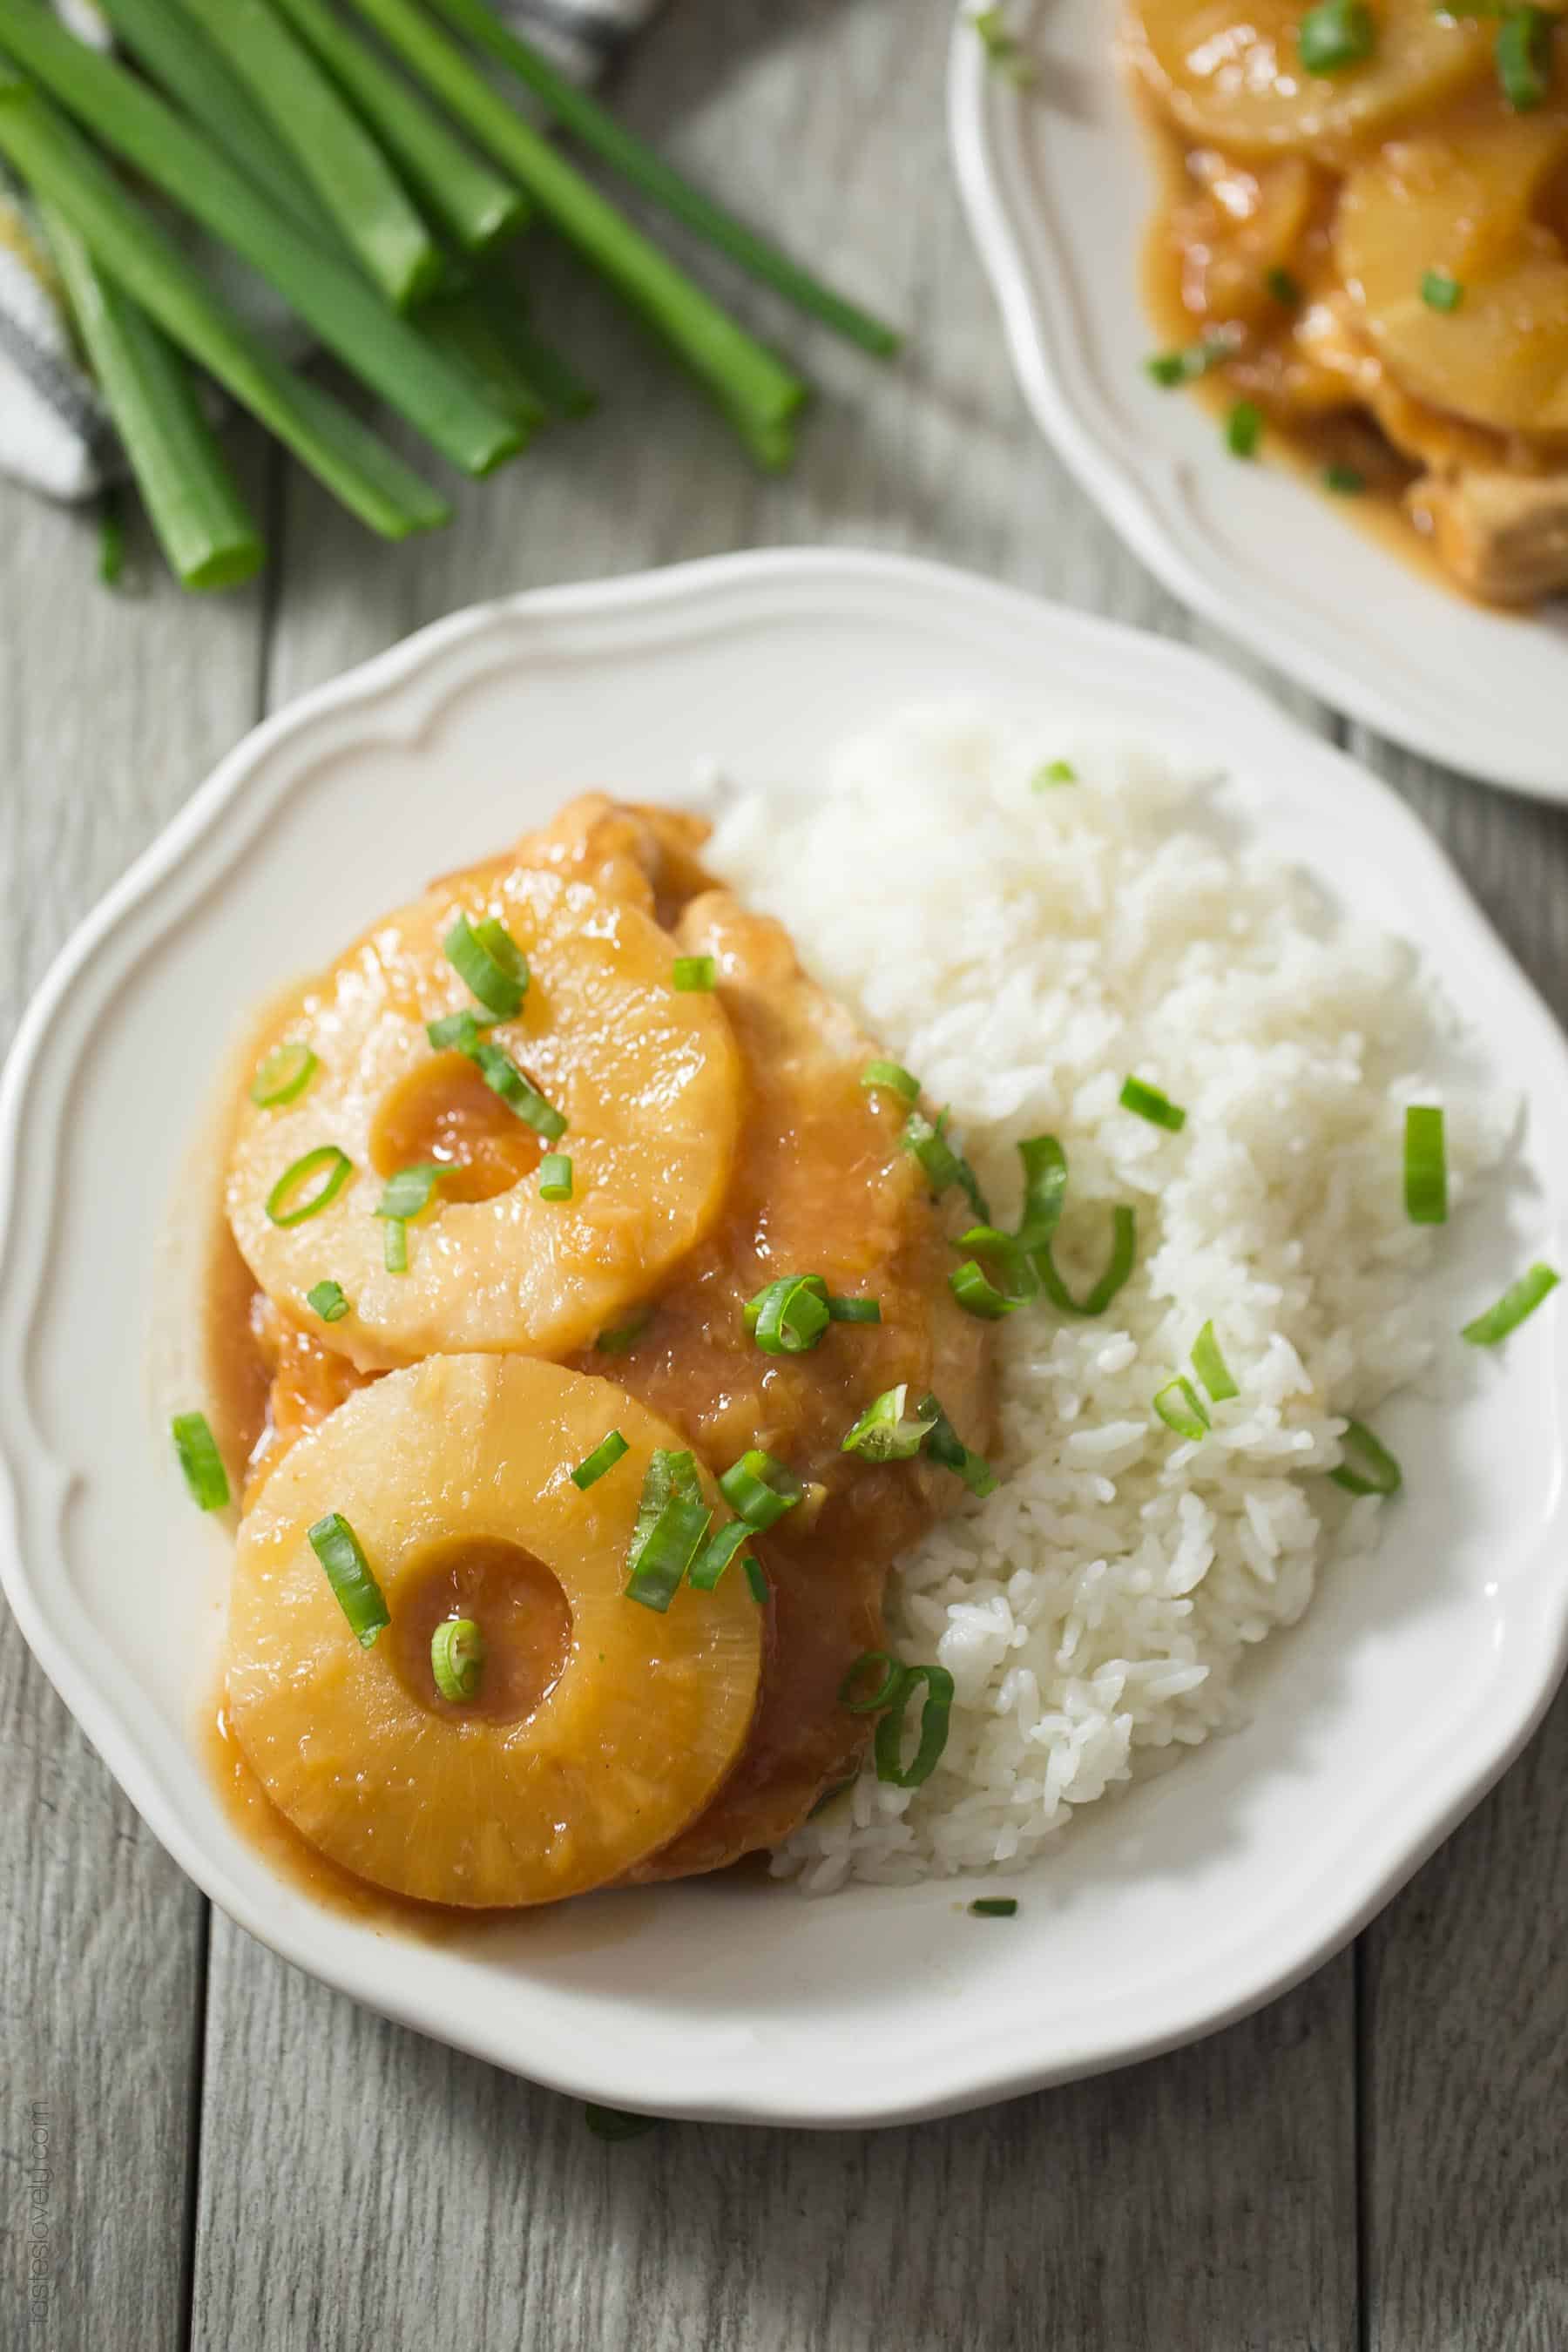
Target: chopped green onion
[(887, 1746), (994, 1907), (328, 1300), (519, 1094), (1055, 771), (1003, 47), (1045, 1190), (133, 248), (605, 1456), (671, 1522), (1524, 58), (1520, 1299), (887, 1690), (790, 1315), (345, 311), (1425, 1166), (112, 505), (1285, 289), (459, 1031), (1151, 1104), (621, 1336), (409, 1191), (756, 1580), (756, 390), (1123, 1255), (853, 1310), (656, 178), (473, 205), (555, 1176), (943, 1166), (716, 1555), (892, 1079), (349, 1573), (1337, 34), (760, 1489), (1211, 1367), (1441, 290), (338, 1168), (614, 2124), (394, 1245), (944, 1444), (200, 1460), (1345, 481), (1171, 368), (282, 1076), (1244, 429), (1181, 1408), (887, 1431), (695, 975), (978, 1295), (1369, 1468), (331, 146), (491, 964), (457, 1658)]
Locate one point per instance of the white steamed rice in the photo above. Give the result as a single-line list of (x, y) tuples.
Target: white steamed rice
[(1025, 950)]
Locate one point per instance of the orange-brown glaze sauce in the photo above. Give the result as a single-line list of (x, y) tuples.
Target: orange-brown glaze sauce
[(1190, 283)]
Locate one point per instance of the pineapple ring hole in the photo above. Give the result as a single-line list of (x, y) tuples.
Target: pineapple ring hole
[(442, 1111), (520, 1609)]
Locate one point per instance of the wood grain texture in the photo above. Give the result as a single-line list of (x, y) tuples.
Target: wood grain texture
[(112, 707)]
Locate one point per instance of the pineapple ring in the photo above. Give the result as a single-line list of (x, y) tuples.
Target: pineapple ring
[(646, 1077), (1462, 200), (1230, 73), (450, 1805)]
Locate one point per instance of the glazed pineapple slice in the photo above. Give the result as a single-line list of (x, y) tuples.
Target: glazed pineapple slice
[(599, 1727), (1230, 71), (644, 1077), (1455, 212)]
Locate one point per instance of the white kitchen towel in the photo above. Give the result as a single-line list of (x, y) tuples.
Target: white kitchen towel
[(54, 433)]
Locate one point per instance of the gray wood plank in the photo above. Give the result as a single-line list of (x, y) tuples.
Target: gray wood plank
[(1200, 2203), (112, 707), (1466, 1975)]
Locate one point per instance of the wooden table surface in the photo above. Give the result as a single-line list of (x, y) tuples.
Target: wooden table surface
[(241, 2161)]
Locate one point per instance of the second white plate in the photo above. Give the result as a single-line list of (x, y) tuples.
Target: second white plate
[(1059, 189)]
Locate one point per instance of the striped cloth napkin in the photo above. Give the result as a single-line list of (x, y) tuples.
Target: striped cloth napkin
[(54, 433)]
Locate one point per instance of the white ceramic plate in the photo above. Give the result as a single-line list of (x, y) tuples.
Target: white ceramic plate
[(1178, 1907), (1059, 189)]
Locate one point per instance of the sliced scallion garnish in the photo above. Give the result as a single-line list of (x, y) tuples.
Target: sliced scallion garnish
[(1368, 1468), (1345, 481), (1284, 289), (200, 1460), (328, 1301), (888, 1745), (282, 1076), (1045, 1190), (1003, 47), (1441, 290), (621, 1336), (1124, 1257), (672, 1521), (519, 1094), (491, 964), (760, 1489), (978, 1295), (605, 1456), (409, 1191), (994, 1907), (1151, 1104), (891, 1675), (943, 1166), (1525, 56), (1181, 1408), (1336, 34), (1425, 1166), (1171, 368), (1520, 1299), (333, 1166), (394, 1245), (1244, 429), (1211, 1367), (457, 1658), (790, 1315), (853, 1310), (891, 1077), (944, 1444), (1055, 771), (555, 1176), (756, 1579), (349, 1573), (461, 1030), (716, 1555), (887, 1431), (695, 975)]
